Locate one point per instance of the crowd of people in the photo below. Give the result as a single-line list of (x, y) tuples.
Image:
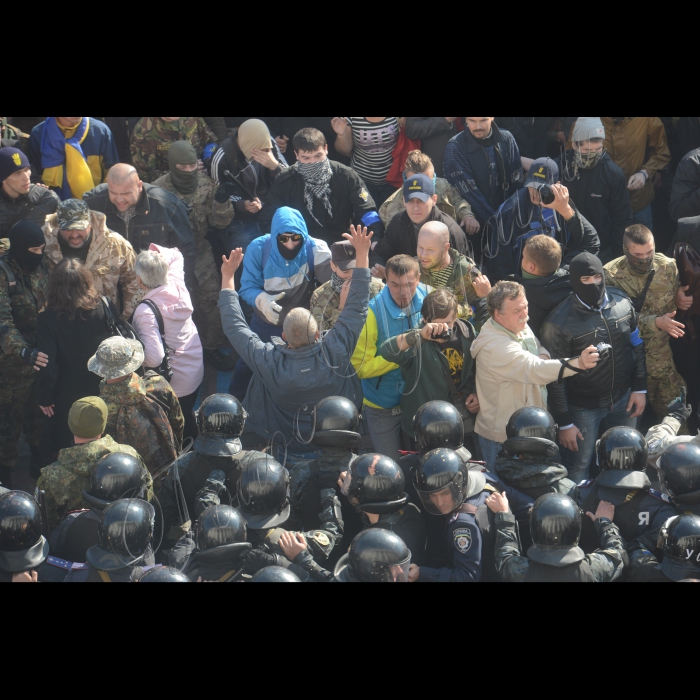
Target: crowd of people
[(445, 349)]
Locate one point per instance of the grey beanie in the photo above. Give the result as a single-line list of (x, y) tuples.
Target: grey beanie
[(588, 128)]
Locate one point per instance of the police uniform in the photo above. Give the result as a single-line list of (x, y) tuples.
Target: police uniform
[(409, 524)]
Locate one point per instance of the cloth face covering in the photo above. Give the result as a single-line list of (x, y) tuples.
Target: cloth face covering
[(253, 134), (587, 265), (317, 178), (337, 283), (643, 267), (23, 236), (183, 153)]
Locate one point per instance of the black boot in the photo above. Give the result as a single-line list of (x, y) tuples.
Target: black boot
[(219, 361)]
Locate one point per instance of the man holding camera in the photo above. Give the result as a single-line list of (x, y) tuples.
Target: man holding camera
[(613, 392), (542, 207)]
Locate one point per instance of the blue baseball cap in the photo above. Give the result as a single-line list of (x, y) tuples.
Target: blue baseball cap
[(418, 187), (544, 171)]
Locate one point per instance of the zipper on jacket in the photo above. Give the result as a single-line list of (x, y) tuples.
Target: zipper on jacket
[(612, 352)]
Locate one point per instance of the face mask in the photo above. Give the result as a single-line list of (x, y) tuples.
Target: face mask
[(587, 265), (587, 161), (184, 182), (23, 236), (643, 267), (337, 283), (28, 261)]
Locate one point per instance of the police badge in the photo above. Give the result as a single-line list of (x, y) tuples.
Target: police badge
[(463, 540)]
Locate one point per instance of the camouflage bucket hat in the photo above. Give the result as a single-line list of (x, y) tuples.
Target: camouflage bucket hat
[(73, 215), (116, 358)]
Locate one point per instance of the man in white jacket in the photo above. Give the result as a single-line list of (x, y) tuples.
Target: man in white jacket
[(512, 368)]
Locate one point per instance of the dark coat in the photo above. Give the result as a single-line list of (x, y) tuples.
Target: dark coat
[(544, 294), (34, 206), (685, 195)]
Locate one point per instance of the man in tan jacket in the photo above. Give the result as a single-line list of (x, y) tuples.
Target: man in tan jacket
[(512, 368)]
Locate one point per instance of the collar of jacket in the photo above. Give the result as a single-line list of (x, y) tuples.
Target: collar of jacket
[(127, 393), (471, 142), (387, 301), (74, 458)]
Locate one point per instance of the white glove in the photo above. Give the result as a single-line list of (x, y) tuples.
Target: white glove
[(268, 308)]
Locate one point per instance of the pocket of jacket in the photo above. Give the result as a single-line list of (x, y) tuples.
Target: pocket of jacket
[(585, 335)]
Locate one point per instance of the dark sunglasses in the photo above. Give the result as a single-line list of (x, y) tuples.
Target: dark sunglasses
[(296, 238)]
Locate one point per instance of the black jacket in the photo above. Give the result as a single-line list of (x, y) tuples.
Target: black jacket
[(160, 218), (688, 232), (544, 294), (685, 195), (570, 329), (401, 238), (601, 195), (34, 206), (350, 202), (434, 133)]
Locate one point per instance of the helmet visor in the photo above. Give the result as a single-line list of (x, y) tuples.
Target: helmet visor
[(399, 573), (348, 485), (441, 502)]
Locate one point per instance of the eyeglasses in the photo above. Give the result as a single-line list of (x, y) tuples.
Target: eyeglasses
[(296, 238)]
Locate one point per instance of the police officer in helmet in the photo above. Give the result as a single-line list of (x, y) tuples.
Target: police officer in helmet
[(375, 556), (451, 491), (275, 574), (23, 549), (555, 557), (375, 486), (164, 575)]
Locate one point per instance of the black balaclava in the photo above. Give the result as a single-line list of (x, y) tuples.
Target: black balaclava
[(23, 236), (587, 265), (287, 254)]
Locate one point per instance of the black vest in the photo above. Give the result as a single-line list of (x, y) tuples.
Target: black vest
[(576, 573), (81, 536)]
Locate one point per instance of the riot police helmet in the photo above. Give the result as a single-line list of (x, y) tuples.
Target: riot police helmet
[(263, 494), (438, 424), (221, 421), (275, 574), (531, 422), (164, 575), (336, 424), (22, 546), (679, 471), (623, 456), (555, 526), (375, 484), (220, 526), (680, 540), (116, 476), (375, 556), (442, 481)]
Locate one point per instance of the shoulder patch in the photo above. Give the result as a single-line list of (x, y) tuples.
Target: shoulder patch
[(364, 194), (463, 540), (653, 445), (60, 563), (661, 497)]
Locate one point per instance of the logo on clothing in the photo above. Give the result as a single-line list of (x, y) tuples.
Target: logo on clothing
[(540, 174), (463, 540), (364, 195), (16, 159)]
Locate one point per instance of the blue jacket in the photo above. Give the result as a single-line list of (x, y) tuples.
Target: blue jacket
[(469, 168), (287, 384), (294, 277)]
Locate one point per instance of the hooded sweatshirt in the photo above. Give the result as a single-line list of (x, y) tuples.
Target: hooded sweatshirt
[(292, 278), (181, 336)]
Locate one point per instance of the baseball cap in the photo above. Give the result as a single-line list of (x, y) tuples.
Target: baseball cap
[(344, 256), (544, 171), (418, 187), (73, 215)]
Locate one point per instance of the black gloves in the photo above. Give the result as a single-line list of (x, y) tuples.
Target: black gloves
[(678, 409), (257, 560), (30, 355), (222, 196)]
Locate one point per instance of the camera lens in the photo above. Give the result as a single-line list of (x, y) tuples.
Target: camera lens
[(546, 195)]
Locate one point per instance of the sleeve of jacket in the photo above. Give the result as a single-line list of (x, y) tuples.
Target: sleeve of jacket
[(510, 563), (500, 260), (685, 195), (253, 277), (583, 238), (462, 207), (109, 154), (146, 326), (221, 214), (217, 125), (47, 378), (343, 338), (11, 341), (322, 261), (608, 563), (127, 280), (143, 156), (419, 128), (640, 377), (367, 363), (403, 358), (387, 246), (657, 146), (557, 342), (363, 206), (458, 239), (620, 208), (185, 238), (176, 418), (467, 567)]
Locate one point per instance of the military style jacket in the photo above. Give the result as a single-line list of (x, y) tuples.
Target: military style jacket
[(325, 303)]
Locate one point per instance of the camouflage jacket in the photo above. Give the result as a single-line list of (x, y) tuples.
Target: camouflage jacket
[(110, 260), (607, 564), (18, 314), (203, 210), (152, 138), (146, 414), (449, 202), (325, 303), (65, 480), (660, 300)]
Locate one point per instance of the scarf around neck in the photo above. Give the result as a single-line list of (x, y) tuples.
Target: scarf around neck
[(317, 178)]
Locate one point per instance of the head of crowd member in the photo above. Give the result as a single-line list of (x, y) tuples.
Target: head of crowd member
[(418, 163), (254, 135), (27, 245), (544, 171), (290, 231), (480, 127), (71, 289), (402, 279), (343, 262), (419, 198), (124, 186), (300, 329), (588, 142), (443, 481), (117, 359), (74, 224), (184, 171), (151, 270), (15, 172), (87, 419), (640, 248), (588, 280), (441, 306), (310, 147), (508, 307), (434, 246), (23, 549), (542, 256)]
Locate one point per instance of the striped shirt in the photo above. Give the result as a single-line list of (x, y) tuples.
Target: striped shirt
[(373, 147), (440, 279)]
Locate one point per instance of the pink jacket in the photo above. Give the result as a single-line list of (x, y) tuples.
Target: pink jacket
[(181, 336)]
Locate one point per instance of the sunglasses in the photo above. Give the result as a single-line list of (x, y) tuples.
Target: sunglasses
[(296, 238)]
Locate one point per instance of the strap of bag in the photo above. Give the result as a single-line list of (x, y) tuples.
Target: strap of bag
[(159, 318), (638, 303), (109, 317), (11, 280)]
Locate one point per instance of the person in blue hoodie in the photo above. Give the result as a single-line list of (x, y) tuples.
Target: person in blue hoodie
[(280, 273)]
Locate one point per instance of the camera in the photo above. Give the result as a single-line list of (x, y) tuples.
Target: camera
[(604, 350), (446, 335), (546, 194)]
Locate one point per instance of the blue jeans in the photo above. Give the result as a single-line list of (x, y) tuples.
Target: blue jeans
[(489, 451), (588, 421), (295, 458), (645, 217), (385, 430), (243, 374)]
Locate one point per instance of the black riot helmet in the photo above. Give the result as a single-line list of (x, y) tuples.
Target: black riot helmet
[(275, 574), (22, 547), (375, 556), (221, 421), (125, 534), (532, 422), (220, 526), (623, 456), (164, 575), (263, 494), (680, 540), (555, 526), (116, 476), (438, 424), (679, 470), (442, 471), (337, 423), (375, 484)]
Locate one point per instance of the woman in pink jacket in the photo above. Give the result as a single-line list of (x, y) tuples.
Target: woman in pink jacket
[(161, 272)]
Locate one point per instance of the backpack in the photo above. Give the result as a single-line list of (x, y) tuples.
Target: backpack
[(165, 370)]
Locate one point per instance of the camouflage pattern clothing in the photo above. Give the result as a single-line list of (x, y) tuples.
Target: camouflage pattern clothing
[(450, 202), (145, 414), (325, 303), (18, 322), (664, 380), (152, 138), (606, 565), (65, 480), (204, 211), (110, 260)]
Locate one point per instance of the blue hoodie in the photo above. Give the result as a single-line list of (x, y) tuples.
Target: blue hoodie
[(291, 277)]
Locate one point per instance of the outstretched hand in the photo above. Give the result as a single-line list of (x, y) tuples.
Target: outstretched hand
[(230, 267), (362, 243)]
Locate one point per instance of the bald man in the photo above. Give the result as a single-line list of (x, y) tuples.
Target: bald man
[(144, 214)]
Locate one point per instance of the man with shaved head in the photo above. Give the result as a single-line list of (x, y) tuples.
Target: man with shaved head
[(144, 214)]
